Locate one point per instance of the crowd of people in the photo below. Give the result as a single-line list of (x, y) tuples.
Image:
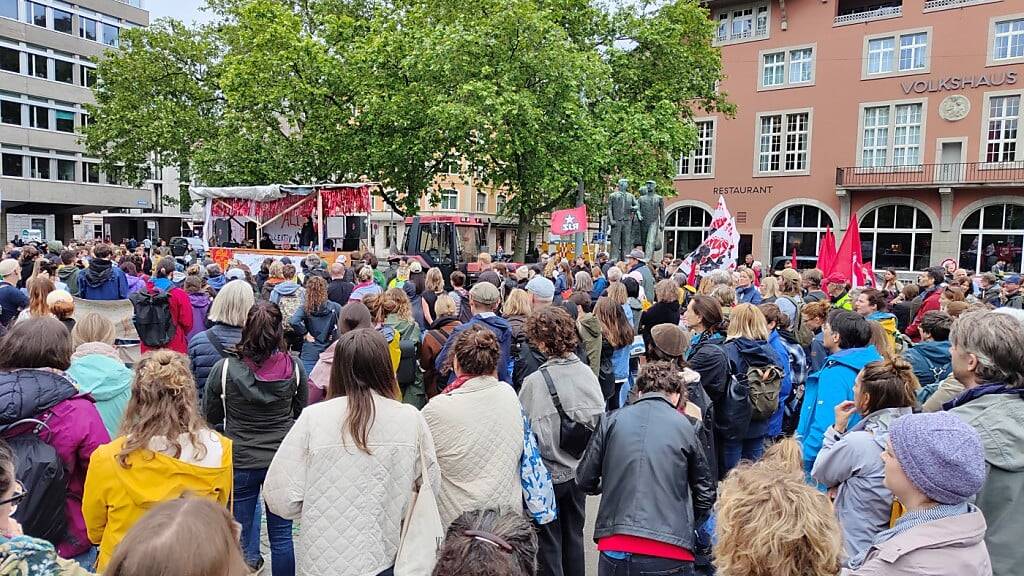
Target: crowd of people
[(381, 418)]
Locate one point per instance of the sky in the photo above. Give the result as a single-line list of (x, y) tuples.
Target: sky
[(185, 10)]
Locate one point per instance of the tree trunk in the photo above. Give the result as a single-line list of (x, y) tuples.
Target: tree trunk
[(522, 237)]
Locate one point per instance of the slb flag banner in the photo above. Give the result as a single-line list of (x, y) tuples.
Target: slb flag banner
[(569, 221), (720, 248)]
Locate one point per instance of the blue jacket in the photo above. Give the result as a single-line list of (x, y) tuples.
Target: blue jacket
[(108, 381), (12, 302), (114, 287), (744, 353), (931, 361), (501, 329), (203, 355), (818, 353), (748, 295), (782, 354), (600, 285), (322, 324), (217, 282), (825, 389)]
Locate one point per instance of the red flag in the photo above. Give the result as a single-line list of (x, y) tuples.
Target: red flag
[(827, 252), (793, 261), (569, 221), (848, 257)]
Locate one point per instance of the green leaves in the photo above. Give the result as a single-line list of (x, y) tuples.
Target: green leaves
[(536, 94)]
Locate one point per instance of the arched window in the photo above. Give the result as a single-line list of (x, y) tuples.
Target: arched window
[(685, 228), (896, 236), (799, 227), (990, 234)]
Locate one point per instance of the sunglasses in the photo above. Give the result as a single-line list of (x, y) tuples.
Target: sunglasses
[(16, 499)]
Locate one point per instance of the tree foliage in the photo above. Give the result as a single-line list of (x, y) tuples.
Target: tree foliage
[(540, 95)]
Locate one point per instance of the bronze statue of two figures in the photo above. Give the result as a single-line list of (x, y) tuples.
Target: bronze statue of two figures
[(636, 222)]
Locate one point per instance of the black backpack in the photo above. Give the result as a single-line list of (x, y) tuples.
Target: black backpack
[(153, 319), (465, 312), (41, 471)]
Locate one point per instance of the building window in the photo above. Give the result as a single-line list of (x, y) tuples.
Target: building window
[(743, 22), (85, 120), (500, 204), (991, 234), (700, 162), (896, 236), (1002, 132), (1008, 40), (110, 35), (783, 143), (91, 172), (87, 28), (88, 77), (685, 228), (37, 66), (9, 9), (901, 53), (13, 165), (449, 200), (797, 227), (10, 60), (35, 14), (481, 202), (787, 67), (10, 112), (773, 69), (891, 131), (39, 117), (40, 167), (66, 170), (62, 21), (63, 71), (65, 121)]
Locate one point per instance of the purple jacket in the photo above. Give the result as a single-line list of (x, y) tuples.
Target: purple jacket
[(200, 308), (76, 429), (134, 283)]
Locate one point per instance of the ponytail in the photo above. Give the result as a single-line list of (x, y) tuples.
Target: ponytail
[(889, 383)]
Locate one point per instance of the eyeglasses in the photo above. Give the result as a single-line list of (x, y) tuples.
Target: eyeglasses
[(16, 499)]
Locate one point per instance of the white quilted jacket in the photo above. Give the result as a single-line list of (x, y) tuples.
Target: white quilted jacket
[(350, 504), (478, 432)]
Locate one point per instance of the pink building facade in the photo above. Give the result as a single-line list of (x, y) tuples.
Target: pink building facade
[(905, 113)]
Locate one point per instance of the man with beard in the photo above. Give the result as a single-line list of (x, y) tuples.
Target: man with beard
[(102, 280)]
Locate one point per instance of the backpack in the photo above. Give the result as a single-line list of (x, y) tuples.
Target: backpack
[(152, 318), (764, 384), (465, 313), (802, 334), (39, 468), (289, 304)]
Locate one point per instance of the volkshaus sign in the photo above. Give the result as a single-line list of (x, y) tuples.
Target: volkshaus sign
[(951, 83)]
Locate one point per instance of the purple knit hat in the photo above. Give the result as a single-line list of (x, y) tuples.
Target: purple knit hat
[(941, 455)]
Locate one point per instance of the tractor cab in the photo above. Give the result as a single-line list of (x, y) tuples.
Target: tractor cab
[(446, 242)]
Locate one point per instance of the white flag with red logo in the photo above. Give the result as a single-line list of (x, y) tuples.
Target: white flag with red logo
[(720, 248)]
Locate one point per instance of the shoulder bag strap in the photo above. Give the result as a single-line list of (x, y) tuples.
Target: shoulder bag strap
[(216, 343), (554, 393), (224, 393), (295, 367)]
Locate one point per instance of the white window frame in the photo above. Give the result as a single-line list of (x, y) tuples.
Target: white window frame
[(985, 116), (897, 49), (783, 141), (676, 229), (499, 203), (728, 38), (991, 51), (786, 230), (890, 143), (874, 230), (481, 196), (447, 195), (787, 66), (690, 160)]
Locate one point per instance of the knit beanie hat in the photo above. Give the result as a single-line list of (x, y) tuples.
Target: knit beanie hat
[(941, 455)]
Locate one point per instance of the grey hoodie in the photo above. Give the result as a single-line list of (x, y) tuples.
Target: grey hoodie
[(999, 419), (853, 462)]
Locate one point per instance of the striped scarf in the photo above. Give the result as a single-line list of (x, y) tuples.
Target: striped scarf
[(908, 521)]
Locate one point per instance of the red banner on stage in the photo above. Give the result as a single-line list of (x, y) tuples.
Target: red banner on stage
[(569, 221)]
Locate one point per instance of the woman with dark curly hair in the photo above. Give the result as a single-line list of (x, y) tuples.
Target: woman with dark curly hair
[(488, 542), (553, 333)]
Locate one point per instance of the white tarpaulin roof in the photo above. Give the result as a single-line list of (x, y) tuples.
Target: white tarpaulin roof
[(257, 193)]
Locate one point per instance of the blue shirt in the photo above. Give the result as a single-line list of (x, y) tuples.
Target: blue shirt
[(12, 302)]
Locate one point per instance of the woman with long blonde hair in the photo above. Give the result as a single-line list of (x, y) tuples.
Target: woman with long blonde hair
[(770, 522), (164, 449), (746, 345), (316, 322), (398, 314), (433, 288)]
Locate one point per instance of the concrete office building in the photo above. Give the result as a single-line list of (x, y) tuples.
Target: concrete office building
[(48, 50), (903, 112)]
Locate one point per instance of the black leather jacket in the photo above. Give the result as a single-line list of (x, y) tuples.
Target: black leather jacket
[(647, 462)]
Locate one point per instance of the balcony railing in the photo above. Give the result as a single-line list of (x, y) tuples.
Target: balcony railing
[(866, 15), (931, 175), (748, 34), (944, 4)]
